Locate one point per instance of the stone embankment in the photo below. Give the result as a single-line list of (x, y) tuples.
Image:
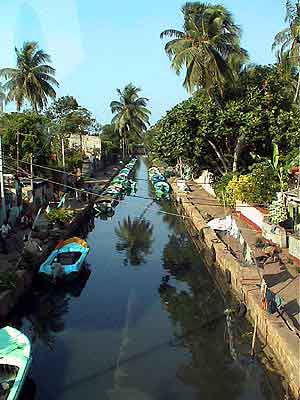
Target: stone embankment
[(278, 339)]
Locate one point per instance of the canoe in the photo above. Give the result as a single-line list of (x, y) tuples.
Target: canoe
[(66, 261), (15, 360)]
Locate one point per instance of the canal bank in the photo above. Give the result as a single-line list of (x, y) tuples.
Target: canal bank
[(148, 322), (21, 264), (279, 341)]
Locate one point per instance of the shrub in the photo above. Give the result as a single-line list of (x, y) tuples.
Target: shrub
[(265, 182), (259, 186), (60, 215), (220, 186), (8, 280)]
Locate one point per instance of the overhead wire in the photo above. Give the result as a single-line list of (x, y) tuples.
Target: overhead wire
[(82, 190)]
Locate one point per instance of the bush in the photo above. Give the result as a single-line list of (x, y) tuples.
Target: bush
[(8, 280), (220, 186), (60, 216), (265, 181), (259, 186)]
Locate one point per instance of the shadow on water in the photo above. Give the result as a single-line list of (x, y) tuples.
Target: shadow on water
[(197, 314)]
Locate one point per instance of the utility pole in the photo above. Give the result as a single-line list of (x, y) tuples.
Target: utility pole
[(2, 188), (31, 174), (18, 151), (63, 160)]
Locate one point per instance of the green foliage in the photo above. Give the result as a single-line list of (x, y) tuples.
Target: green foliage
[(208, 47), (8, 280), (32, 80), (206, 134), (73, 159), (220, 187), (278, 211), (265, 181), (110, 140), (131, 116), (60, 215), (259, 186), (33, 136)]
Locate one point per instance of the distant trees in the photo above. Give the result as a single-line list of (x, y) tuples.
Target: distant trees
[(131, 115)]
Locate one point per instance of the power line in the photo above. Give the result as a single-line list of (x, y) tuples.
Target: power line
[(44, 167)]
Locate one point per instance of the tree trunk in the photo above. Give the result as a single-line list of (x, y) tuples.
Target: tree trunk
[(237, 152), (220, 157), (298, 88), (123, 148)]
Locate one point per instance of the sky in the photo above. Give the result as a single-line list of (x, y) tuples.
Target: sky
[(98, 46)]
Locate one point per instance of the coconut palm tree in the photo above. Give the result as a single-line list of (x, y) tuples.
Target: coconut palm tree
[(131, 114), (288, 40), (33, 78), (208, 41), (2, 98), (135, 239)]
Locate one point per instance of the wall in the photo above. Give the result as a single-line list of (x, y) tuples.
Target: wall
[(89, 143), (294, 246), (254, 215), (282, 343), (205, 180), (274, 233)]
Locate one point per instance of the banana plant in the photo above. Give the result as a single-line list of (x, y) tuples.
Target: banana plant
[(278, 169)]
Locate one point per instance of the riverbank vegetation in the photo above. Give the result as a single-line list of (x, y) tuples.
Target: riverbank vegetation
[(237, 111)]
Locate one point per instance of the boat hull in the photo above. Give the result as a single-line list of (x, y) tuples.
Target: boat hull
[(69, 271), (15, 350)]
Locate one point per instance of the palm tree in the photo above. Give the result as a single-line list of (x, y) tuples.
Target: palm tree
[(208, 41), (131, 114), (288, 40), (135, 239), (2, 98), (32, 80)]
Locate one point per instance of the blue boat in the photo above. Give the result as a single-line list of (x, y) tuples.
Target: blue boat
[(66, 261)]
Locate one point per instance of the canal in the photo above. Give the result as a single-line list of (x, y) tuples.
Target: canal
[(146, 324)]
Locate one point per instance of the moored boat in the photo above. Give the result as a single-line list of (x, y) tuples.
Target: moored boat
[(66, 261), (15, 360)]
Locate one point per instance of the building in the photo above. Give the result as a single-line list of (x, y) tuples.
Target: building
[(91, 145)]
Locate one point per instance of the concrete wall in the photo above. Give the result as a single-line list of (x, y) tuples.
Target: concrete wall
[(253, 214), (282, 343), (294, 246), (89, 143), (205, 180), (275, 233)]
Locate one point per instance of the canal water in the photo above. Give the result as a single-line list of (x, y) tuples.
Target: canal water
[(146, 323)]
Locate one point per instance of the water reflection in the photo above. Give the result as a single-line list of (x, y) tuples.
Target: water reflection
[(47, 316), (135, 240), (197, 315)]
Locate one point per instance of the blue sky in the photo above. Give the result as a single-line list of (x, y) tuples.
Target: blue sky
[(98, 46)]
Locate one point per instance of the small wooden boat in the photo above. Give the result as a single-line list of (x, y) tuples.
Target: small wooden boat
[(162, 190), (66, 261), (15, 360), (157, 178)]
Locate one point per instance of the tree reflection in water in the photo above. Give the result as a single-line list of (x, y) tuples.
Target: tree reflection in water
[(197, 315), (46, 316), (136, 239)]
